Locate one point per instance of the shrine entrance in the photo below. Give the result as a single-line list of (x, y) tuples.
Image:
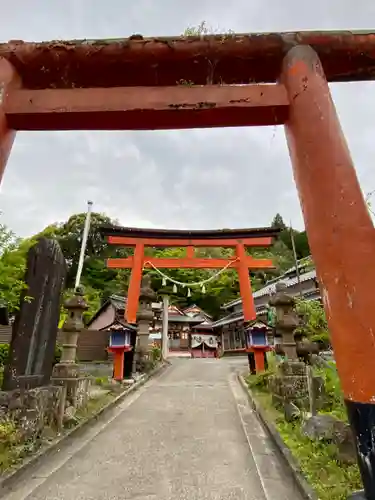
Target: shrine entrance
[(238, 240), (203, 81)]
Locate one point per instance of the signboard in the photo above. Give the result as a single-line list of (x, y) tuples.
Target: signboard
[(208, 340)]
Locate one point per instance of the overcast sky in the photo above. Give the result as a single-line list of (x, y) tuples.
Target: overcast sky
[(175, 179)]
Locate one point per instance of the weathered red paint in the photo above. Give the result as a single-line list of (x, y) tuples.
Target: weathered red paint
[(118, 361), (142, 238), (135, 284), (190, 263), (8, 80), (190, 252), (214, 59), (225, 242), (259, 359), (341, 233), (147, 108), (248, 307)]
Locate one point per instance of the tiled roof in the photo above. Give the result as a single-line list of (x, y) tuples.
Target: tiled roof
[(118, 301), (271, 286), (231, 318), (268, 290)]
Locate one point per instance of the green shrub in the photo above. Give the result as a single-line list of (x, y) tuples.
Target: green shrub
[(333, 396), (260, 380), (57, 356), (155, 353), (322, 339), (4, 354)]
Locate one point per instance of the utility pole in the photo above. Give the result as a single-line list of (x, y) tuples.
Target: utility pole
[(86, 230), (295, 259)]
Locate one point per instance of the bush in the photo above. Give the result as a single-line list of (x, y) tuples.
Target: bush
[(260, 380), (155, 353), (333, 396), (323, 340), (4, 354), (57, 356)]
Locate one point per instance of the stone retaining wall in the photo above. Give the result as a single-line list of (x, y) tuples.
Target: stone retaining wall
[(31, 410)]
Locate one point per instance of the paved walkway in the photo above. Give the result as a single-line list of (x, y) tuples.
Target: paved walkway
[(188, 434)]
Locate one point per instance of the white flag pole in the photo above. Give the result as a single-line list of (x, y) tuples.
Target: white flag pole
[(295, 260), (86, 230), (164, 342)]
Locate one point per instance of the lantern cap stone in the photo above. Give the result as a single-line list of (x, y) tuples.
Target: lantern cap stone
[(77, 301), (281, 297), (147, 293)]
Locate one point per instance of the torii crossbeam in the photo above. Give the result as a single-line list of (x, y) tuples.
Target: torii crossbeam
[(237, 239)]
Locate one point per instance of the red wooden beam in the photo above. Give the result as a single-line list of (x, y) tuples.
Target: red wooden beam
[(135, 284), (129, 241), (147, 108), (228, 58), (190, 263), (248, 306), (9, 79)]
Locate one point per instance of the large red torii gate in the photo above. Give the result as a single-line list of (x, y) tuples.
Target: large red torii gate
[(161, 83), (237, 239)]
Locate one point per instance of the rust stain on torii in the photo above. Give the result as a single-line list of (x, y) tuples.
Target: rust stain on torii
[(226, 58)]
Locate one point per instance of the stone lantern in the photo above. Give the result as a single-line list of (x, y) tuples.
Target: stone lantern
[(145, 313), (72, 327), (66, 372), (286, 320)]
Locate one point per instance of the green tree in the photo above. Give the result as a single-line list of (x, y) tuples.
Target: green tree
[(300, 241), (278, 222), (92, 298), (95, 273), (313, 321), (13, 252)]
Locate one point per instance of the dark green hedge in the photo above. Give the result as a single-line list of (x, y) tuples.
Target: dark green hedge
[(4, 353)]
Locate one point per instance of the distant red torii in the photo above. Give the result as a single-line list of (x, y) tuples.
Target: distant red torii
[(238, 239)]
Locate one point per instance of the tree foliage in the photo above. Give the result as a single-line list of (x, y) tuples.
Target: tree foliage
[(278, 222), (314, 323), (12, 267), (100, 282)]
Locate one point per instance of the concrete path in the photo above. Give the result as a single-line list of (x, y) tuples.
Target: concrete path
[(188, 434)]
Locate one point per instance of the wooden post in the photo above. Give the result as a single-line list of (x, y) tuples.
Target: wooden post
[(118, 364), (259, 360), (341, 237), (8, 80), (245, 284), (135, 284), (190, 252)]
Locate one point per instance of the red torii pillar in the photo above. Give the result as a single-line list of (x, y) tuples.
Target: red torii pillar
[(339, 229), (8, 79)]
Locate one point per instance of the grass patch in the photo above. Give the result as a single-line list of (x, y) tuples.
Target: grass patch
[(330, 479), (12, 451), (333, 397), (101, 381), (94, 405)]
